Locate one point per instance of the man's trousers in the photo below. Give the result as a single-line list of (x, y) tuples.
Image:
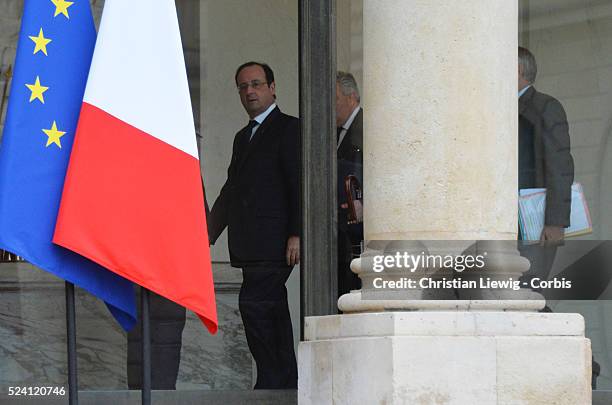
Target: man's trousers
[(267, 325)]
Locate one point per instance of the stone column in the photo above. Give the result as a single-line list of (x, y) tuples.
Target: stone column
[(440, 164), (440, 119), (440, 136)]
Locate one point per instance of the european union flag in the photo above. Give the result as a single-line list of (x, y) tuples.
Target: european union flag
[(54, 52)]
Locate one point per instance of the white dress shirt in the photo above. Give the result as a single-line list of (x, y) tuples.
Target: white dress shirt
[(260, 118), (347, 125)]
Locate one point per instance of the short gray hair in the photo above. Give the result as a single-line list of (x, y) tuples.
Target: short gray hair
[(348, 84), (528, 61)]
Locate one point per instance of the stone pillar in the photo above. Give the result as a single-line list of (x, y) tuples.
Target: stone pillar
[(440, 119), (440, 136), (440, 164)]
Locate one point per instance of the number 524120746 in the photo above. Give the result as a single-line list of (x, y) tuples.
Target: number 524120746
[(36, 391)]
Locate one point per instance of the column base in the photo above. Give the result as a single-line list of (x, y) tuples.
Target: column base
[(445, 358), (523, 301)]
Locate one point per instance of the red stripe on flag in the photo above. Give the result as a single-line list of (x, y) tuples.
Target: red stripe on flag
[(135, 205)]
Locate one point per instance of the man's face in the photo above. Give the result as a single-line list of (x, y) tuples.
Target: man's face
[(344, 106), (256, 94)]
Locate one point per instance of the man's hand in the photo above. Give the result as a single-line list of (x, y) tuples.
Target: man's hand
[(293, 250), (358, 211), (551, 235)]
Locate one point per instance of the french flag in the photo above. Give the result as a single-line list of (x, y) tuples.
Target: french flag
[(133, 199)]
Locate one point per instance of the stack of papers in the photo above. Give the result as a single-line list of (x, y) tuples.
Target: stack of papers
[(532, 204)]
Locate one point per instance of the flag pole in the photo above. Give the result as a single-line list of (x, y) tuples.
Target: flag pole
[(73, 388), (146, 348)]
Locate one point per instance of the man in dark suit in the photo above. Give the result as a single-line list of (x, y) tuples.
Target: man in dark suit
[(259, 204), (544, 162), (544, 149), (349, 121)]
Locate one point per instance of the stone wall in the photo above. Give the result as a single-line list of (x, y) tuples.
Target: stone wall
[(33, 338)]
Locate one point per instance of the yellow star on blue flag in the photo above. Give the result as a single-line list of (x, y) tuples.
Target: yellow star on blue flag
[(54, 135), (40, 42), (37, 90), (61, 7)]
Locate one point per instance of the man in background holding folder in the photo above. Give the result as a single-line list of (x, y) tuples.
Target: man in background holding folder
[(544, 149), (544, 162)]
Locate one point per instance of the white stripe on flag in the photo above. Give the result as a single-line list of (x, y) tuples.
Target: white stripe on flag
[(154, 99)]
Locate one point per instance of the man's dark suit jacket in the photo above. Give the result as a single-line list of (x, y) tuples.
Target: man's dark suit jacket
[(554, 166), (350, 161), (260, 200)]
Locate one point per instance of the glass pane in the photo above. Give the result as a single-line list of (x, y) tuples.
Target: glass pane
[(572, 43)]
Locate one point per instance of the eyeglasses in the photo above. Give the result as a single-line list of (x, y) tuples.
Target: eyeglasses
[(255, 84)]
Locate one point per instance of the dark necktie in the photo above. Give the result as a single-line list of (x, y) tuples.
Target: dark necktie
[(249, 128)]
